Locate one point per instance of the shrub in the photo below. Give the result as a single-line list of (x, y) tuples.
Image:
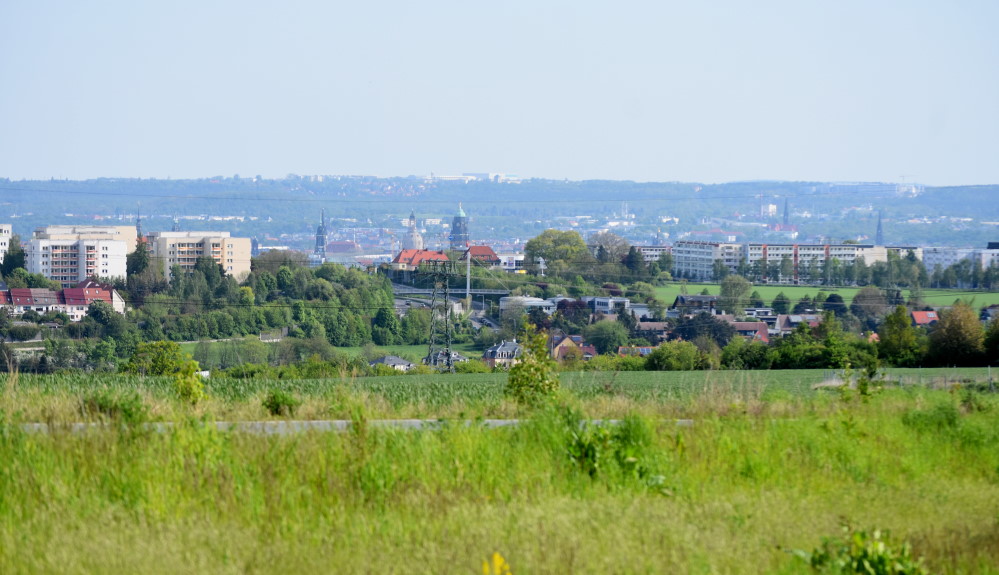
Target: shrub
[(281, 403), (534, 379), (873, 553), (125, 407), (939, 418), (188, 383)]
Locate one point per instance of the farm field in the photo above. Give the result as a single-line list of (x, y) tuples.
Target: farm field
[(933, 297), (768, 466)]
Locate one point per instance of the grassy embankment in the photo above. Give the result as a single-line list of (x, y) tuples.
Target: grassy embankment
[(765, 468)]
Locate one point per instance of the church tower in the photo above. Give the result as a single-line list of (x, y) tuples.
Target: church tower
[(879, 236), (459, 230), (320, 250)]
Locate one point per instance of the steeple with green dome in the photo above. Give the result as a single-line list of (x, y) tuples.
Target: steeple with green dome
[(459, 230)]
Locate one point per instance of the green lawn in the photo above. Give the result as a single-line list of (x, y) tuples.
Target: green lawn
[(934, 298)]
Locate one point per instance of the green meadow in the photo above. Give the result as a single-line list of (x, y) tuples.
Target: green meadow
[(932, 297), (721, 472)]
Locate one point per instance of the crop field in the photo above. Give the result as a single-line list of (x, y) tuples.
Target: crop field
[(933, 297), (764, 468)]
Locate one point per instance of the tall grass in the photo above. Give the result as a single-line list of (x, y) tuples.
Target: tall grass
[(751, 479)]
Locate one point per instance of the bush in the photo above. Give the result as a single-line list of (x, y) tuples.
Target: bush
[(188, 383), (857, 551), (126, 407), (534, 379), (281, 403), (23, 332), (939, 418)]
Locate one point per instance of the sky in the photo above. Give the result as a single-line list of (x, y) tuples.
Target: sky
[(708, 92)]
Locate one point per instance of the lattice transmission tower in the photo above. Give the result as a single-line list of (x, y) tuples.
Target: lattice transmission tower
[(439, 353)]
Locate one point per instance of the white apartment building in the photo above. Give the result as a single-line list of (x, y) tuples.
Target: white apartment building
[(184, 248), (696, 259), (653, 253), (943, 258), (6, 231), (71, 254)]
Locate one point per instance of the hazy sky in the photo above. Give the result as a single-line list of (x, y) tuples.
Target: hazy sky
[(692, 91)]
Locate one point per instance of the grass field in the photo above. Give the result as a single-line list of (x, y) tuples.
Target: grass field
[(768, 466), (934, 298), (601, 394), (413, 353)]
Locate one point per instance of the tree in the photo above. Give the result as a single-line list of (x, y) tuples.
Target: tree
[(561, 252), (869, 304), (137, 261), (992, 341), (674, 356), (734, 293), (156, 358), (719, 271), (611, 247), (781, 303), (385, 327), (958, 338), (704, 324), (898, 341), (14, 258), (786, 269), (606, 336), (835, 304)]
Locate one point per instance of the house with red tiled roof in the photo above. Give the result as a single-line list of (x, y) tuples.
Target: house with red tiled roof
[(752, 330), (410, 260), (71, 301), (924, 318), (483, 255)]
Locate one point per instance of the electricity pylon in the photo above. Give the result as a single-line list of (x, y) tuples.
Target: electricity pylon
[(439, 353)]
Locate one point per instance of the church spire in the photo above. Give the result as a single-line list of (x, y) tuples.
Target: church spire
[(879, 236)]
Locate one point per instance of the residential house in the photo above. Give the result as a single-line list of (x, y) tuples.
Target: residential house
[(395, 362), (752, 330), (695, 303), (74, 302), (924, 318), (562, 347), (439, 358), (483, 255), (654, 331), (787, 323), (410, 260), (503, 354), (639, 350)]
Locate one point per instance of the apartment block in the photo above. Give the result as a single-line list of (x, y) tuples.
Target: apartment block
[(184, 248), (71, 254), (697, 259), (6, 231)]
